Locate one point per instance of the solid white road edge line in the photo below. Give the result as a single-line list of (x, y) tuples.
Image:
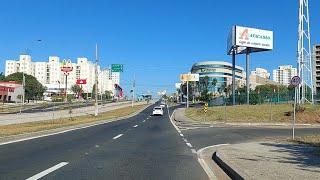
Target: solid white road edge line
[(204, 164), (175, 126), (46, 172), (202, 149), (135, 126), (207, 169), (116, 137), (51, 134)]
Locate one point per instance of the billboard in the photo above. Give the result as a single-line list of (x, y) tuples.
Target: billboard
[(66, 66), (189, 77), (256, 40)]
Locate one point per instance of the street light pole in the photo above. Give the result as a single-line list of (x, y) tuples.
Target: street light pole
[(96, 84), (23, 85), (133, 89)]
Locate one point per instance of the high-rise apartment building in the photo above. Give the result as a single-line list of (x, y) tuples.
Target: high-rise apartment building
[(316, 68), (284, 74), (49, 73), (261, 73)]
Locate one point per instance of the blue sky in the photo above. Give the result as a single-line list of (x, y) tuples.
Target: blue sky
[(154, 39)]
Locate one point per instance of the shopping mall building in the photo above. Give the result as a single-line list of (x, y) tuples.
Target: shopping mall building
[(219, 70)]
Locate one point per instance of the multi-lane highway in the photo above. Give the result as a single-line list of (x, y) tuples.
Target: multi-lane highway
[(140, 147)]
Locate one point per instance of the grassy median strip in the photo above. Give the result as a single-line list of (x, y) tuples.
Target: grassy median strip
[(15, 129), (275, 113)]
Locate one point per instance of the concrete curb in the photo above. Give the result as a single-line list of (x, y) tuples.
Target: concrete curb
[(45, 133), (227, 168), (270, 124), (210, 156)]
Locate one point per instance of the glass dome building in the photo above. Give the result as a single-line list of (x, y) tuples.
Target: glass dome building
[(219, 70)]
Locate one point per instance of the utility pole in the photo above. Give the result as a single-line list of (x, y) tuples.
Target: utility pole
[(96, 84)]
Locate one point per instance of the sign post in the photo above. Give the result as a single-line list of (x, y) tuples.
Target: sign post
[(295, 81), (66, 68), (205, 110), (186, 78)]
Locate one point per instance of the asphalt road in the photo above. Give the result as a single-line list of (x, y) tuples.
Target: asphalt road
[(204, 137), (141, 147)]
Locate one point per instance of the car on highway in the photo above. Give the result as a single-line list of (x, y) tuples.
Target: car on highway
[(163, 105), (157, 111)]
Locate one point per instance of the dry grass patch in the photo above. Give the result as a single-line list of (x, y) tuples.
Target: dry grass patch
[(16, 129), (255, 114), (313, 140)]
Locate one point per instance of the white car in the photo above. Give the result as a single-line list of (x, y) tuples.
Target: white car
[(157, 111)]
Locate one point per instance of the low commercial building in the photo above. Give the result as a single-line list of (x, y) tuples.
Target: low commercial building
[(256, 80), (261, 73), (11, 92)]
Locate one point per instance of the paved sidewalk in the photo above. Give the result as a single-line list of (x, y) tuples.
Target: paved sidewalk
[(271, 160), (52, 115)]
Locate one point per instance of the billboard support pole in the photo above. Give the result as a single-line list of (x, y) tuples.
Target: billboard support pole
[(188, 93), (233, 76), (247, 74)]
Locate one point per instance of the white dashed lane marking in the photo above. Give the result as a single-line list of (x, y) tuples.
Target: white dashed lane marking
[(116, 137), (47, 171), (144, 121), (135, 126), (188, 144), (181, 135)]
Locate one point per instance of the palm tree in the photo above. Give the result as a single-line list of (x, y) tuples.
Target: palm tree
[(76, 89), (108, 95), (214, 83)]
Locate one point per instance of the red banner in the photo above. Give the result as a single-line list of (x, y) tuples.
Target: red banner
[(8, 89), (81, 81)]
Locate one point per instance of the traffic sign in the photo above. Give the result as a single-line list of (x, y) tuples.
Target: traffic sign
[(295, 81), (205, 108), (117, 67)]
